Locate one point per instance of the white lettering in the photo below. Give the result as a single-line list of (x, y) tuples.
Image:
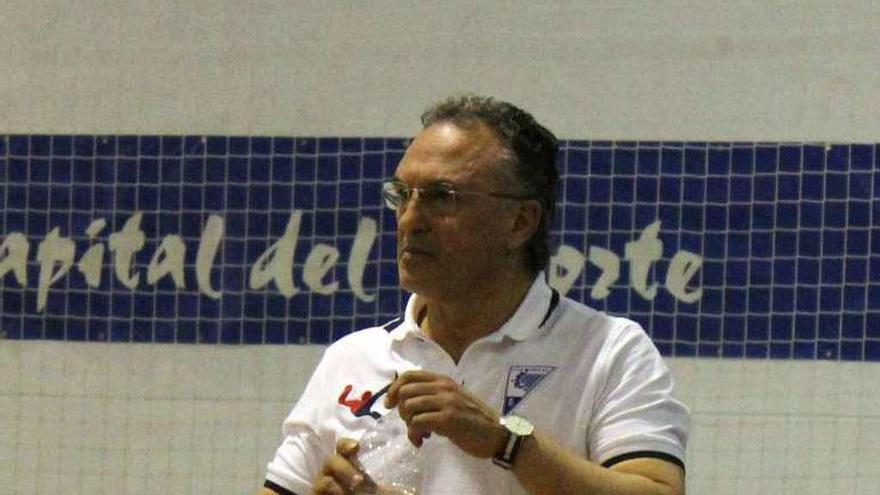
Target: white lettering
[(208, 246), (90, 262), (276, 263), (14, 252), (682, 268), (565, 267), (318, 263), (610, 265), (641, 253), (55, 255), (357, 258), (124, 245), (168, 258), (53, 249)]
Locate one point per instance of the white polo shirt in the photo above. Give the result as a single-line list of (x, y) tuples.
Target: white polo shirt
[(594, 382)]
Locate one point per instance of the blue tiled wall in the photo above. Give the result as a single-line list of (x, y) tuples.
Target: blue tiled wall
[(789, 235)]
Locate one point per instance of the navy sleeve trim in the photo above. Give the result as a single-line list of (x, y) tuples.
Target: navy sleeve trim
[(642, 454), (275, 487)]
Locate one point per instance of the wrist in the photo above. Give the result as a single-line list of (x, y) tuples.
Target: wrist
[(499, 438), (518, 429)]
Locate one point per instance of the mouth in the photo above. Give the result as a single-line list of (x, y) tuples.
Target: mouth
[(415, 251)]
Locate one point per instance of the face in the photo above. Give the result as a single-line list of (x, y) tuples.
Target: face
[(452, 254)]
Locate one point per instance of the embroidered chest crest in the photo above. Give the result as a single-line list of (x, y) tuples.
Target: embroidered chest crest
[(521, 380)]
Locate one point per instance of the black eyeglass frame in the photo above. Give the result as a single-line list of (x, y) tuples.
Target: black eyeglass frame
[(395, 201)]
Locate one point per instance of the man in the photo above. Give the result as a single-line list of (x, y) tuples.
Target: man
[(514, 389)]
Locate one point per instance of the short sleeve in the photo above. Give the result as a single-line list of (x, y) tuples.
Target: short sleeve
[(297, 461), (637, 414), (302, 452)]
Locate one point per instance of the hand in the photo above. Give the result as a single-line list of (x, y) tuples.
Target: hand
[(432, 403), (341, 474)]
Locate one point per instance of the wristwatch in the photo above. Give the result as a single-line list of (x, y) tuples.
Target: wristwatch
[(518, 428)]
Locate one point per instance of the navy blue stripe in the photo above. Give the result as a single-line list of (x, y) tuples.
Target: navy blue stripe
[(391, 325), (280, 490), (554, 300), (642, 454)]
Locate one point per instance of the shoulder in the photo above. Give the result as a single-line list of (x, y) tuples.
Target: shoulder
[(373, 341), (359, 361), (605, 336), (577, 316)]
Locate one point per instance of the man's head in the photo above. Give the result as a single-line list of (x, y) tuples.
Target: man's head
[(476, 192), (529, 150)]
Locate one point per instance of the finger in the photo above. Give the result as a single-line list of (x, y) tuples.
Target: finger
[(408, 376), (418, 376), (343, 472), (417, 436), (415, 389), (326, 485), (421, 425), (347, 447), (391, 397), (437, 385), (407, 379), (419, 404)]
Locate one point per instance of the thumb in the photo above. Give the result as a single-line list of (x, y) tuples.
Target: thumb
[(347, 447)]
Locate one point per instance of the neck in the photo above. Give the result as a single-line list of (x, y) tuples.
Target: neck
[(456, 323)]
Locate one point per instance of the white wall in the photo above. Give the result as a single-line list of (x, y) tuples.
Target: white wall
[(90, 418), (147, 419), (749, 70)]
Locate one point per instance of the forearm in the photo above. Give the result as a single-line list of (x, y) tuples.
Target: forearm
[(544, 466)]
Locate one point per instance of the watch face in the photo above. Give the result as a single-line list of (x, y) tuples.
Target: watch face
[(518, 425)]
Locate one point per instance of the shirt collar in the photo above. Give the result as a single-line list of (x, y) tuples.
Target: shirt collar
[(526, 321)]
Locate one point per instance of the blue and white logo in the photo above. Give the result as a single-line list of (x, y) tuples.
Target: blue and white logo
[(521, 380)]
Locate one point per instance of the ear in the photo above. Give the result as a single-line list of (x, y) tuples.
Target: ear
[(525, 223)]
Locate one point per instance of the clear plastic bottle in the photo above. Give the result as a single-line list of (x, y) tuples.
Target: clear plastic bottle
[(393, 465)]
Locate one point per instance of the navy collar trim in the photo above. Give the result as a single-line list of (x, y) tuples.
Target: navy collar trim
[(554, 301)]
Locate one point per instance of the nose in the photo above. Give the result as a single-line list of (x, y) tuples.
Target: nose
[(411, 215)]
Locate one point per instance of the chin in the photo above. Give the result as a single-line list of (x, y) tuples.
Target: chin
[(415, 283), (408, 282)]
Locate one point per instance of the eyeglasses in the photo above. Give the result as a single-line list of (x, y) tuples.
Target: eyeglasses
[(437, 199)]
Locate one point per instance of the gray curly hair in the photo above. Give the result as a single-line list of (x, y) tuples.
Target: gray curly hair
[(532, 149)]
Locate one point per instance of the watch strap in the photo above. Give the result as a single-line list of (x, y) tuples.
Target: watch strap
[(507, 456)]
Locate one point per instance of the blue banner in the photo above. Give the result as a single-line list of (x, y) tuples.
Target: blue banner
[(763, 250)]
